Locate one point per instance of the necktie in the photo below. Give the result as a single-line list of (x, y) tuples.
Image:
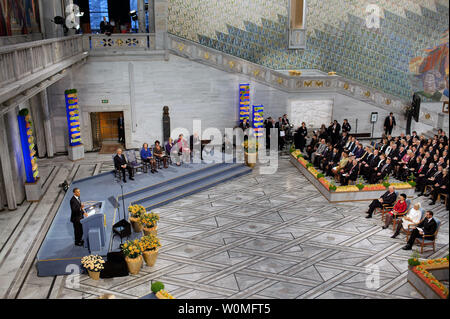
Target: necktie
[(384, 167)]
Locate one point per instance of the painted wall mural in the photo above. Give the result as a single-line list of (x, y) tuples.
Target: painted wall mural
[(431, 70), (19, 17), (338, 38)]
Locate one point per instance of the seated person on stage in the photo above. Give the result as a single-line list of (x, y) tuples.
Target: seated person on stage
[(441, 187), (381, 172), (412, 218), (312, 147), (358, 151), (350, 174), (120, 163), (159, 153), (325, 157), (399, 208), (183, 150), (146, 156), (427, 227), (387, 199), (427, 172), (76, 216), (169, 146)]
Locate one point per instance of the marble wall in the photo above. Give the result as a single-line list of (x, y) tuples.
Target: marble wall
[(190, 89)]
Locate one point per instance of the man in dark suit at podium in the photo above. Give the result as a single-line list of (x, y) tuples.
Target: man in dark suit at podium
[(120, 163), (76, 216)]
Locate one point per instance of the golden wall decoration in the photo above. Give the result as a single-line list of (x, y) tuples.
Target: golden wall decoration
[(388, 101), (427, 116), (280, 81), (231, 64), (346, 86), (181, 47), (307, 83), (332, 73), (256, 72), (206, 55), (367, 94), (319, 83)]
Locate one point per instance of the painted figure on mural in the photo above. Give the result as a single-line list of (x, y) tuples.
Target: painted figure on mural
[(18, 17), (431, 72)]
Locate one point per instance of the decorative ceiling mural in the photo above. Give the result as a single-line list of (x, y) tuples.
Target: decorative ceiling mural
[(338, 38)]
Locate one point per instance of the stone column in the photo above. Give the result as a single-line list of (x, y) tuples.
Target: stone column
[(151, 16), (49, 9), (47, 124), (161, 15), (38, 127), (141, 16), (6, 165)]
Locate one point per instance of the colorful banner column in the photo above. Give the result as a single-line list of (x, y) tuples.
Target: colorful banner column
[(28, 151), (73, 117), (258, 119), (244, 102)]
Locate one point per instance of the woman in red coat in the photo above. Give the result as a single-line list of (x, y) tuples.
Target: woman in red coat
[(399, 208)]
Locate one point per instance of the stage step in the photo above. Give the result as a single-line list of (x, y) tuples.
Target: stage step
[(193, 183)]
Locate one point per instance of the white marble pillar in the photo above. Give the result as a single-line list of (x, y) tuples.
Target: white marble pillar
[(141, 16), (38, 127), (15, 154), (50, 9), (161, 16), (6, 165), (47, 124)]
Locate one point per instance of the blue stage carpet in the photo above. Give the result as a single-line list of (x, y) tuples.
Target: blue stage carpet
[(58, 252)]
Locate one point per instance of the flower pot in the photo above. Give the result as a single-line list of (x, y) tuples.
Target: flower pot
[(150, 257), (250, 159), (95, 275), (137, 226), (151, 231), (134, 264)]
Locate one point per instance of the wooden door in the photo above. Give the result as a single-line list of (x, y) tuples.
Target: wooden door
[(109, 128)]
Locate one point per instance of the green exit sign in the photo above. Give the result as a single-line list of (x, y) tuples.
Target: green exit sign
[(105, 101)]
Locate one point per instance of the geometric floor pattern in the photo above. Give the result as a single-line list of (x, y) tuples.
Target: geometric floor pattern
[(262, 236)]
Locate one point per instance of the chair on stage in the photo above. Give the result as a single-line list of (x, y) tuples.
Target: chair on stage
[(423, 242), (411, 227), (386, 208), (400, 215), (94, 235), (133, 162)]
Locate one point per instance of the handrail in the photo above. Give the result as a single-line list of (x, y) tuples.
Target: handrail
[(27, 45)]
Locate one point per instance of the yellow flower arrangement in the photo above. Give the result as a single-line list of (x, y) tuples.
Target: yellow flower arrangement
[(150, 242), (132, 248), (149, 220), (163, 294), (136, 211), (93, 262)]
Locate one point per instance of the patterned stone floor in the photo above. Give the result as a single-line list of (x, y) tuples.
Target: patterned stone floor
[(257, 236)]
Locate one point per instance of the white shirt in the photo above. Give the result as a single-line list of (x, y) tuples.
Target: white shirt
[(414, 215)]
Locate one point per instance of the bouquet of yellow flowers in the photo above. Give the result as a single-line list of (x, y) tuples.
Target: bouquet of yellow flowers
[(252, 146), (163, 294), (136, 211), (149, 220), (93, 262), (150, 242), (132, 248)]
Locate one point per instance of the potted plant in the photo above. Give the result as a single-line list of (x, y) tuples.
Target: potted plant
[(332, 186), (136, 211), (132, 250), (414, 260), (157, 286), (299, 155), (360, 184), (411, 179), (93, 264), (386, 181), (150, 246), (149, 222), (250, 152)]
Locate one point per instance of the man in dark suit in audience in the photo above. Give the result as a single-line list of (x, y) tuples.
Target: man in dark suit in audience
[(387, 199), (435, 178), (427, 227), (426, 173), (77, 214), (351, 174), (120, 163), (332, 161), (371, 164), (384, 171)]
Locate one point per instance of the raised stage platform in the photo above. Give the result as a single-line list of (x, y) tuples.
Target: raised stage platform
[(58, 255)]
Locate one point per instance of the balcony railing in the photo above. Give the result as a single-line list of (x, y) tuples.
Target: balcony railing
[(21, 60), (119, 41)]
